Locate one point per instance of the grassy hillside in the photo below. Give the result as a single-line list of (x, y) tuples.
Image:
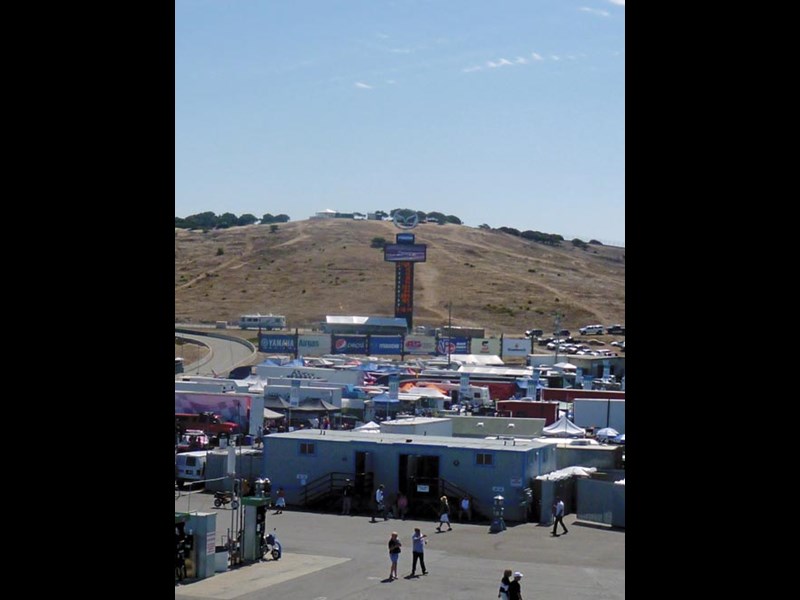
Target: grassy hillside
[(313, 268)]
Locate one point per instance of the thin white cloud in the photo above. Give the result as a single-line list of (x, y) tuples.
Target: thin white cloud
[(362, 86), (595, 11), (521, 61), (554, 57), (504, 62), (618, 2), (391, 81), (400, 50), (471, 69), (536, 56)]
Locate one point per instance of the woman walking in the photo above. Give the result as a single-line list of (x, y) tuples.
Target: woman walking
[(444, 514), (504, 583), (394, 554)]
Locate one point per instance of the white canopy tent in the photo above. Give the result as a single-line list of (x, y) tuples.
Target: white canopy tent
[(564, 428)]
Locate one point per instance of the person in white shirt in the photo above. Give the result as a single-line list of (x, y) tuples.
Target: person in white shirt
[(558, 515), (380, 506)]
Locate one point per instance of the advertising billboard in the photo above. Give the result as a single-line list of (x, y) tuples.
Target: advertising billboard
[(313, 345), (457, 345), (516, 347), (349, 344), (278, 343), (404, 291), (485, 346), (419, 344), (405, 252), (388, 344)]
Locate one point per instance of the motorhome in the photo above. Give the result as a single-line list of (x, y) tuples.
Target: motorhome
[(257, 321)]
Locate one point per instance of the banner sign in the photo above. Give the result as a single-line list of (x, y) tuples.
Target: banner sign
[(458, 345), (385, 344), (349, 344), (404, 291), (516, 347), (315, 345), (419, 344), (405, 252), (277, 343), (485, 346)]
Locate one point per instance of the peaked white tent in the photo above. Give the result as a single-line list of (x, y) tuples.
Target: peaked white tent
[(563, 428), (371, 427)]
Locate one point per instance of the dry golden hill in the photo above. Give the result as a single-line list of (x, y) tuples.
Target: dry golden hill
[(309, 269)]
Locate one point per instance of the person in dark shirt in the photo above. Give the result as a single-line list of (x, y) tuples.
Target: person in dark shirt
[(514, 589), (394, 554), (347, 497)]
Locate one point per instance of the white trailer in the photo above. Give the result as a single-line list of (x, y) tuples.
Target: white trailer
[(599, 413), (263, 321)]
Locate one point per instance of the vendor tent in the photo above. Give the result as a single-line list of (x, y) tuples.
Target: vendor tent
[(564, 428)]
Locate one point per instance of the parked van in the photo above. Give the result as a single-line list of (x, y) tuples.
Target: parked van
[(262, 321), (190, 466), (207, 422)]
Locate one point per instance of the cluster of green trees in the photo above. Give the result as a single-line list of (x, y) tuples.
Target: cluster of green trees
[(549, 239), (208, 220)]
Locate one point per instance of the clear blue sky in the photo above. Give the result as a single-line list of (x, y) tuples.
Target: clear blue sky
[(503, 112)]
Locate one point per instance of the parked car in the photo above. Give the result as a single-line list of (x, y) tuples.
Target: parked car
[(562, 333), (616, 329), (592, 330)]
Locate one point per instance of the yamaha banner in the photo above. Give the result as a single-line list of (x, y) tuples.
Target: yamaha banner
[(278, 343)]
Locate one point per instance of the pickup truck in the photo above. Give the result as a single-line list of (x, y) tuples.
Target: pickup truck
[(616, 329)]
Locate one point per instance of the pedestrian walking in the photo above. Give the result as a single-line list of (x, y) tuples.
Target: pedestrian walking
[(380, 506), (514, 588), (465, 508), (558, 516), (402, 505), (280, 503), (444, 514), (419, 540), (504, 583), (347, 497), (394, 554)]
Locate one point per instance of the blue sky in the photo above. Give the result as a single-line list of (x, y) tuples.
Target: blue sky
[(503, 112)]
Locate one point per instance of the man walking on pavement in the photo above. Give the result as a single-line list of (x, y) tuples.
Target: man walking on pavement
[(380, 507), (419, 540), (558, 515)]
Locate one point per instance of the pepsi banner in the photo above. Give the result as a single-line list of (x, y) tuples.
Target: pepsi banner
[(349, 344), (453, 345), (385, 344), (278, 343)]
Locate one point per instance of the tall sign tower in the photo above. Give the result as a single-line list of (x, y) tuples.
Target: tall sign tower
[(404, 253)]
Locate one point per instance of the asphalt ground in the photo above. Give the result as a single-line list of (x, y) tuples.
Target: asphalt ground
[(330, 557)]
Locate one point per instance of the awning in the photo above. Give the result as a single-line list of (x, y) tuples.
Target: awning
[(271, 414)]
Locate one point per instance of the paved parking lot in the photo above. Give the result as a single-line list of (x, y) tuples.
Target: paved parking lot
[(331, 557)]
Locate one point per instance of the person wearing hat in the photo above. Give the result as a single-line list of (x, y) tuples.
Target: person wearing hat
[(347, 497), (514, 589)]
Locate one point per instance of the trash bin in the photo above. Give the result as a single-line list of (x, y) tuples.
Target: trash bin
[(220, 559), (248, 440)]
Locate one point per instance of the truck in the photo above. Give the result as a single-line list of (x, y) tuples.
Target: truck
[(256, 321), (207, 422)]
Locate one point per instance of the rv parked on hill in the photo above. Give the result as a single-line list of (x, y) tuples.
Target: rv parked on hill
[(262, 321)]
